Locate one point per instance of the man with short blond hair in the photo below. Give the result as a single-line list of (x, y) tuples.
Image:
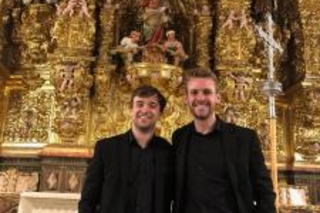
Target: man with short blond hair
[(219, 166)]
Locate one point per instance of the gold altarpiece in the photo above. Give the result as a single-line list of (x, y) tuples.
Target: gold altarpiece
[(61, 88)]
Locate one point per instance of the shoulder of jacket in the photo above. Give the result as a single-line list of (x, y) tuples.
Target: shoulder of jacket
[(238, 129), (182, 129), (164, 143), (111, 140)]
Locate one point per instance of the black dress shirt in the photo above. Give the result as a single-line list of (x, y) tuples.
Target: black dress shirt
[(208, 186), (141, 178)]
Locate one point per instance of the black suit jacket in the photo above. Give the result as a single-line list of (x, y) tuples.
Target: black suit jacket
[(250, 179), (105, 188)]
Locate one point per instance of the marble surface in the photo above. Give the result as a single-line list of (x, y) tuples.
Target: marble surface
[(48, 202)]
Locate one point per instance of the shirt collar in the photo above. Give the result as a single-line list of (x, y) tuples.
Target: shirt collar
[(133, 140), (217, 126)]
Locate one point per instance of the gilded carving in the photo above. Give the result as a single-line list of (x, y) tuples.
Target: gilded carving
[(3, 21), (107, 18), (310, 23), (75, 93), (307, 123), (29, 116), (16, 37), (306, 102), (203, 27), (72, 83), (236, 40), (36, 20), (73, 33)]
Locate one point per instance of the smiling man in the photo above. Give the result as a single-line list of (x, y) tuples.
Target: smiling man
[(129, 173), (219, 167)]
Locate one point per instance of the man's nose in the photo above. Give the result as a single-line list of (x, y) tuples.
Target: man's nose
[(145, 108), (200, 96)]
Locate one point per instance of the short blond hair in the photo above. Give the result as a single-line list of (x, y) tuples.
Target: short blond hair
[(200, 72)]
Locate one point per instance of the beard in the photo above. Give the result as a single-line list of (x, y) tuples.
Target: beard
[(144, 128), (201, 114)]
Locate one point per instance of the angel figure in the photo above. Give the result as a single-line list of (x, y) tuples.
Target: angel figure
[(243, 20), (128, 47), (241, 82), (71, 7), (67, 74), (84, 8), (229, 21), (69, 10), (174, 49)]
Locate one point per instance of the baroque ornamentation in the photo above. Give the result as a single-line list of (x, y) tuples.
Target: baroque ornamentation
[(203, 28), (75, 90), (73, 33), (236, 40), (29, 117), (35, 33), (72, 83)]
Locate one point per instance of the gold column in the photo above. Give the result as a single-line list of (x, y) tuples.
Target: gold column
[(74, 35), (104, 72), (307, 107), (203, 36)]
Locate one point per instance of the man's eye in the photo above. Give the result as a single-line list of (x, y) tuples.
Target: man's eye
[(207, 92), (194, 92), (153, 105), (139, 104)]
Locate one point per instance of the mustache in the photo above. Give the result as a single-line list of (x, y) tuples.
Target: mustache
[(201, 102), (147, 114)]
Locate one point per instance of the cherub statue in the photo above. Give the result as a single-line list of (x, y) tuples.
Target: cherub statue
[(243, 20), (128, 47), (72, 5), (173, 48), (67, 74), (84, 8), (69, 10), (241, 81), (229, 21)]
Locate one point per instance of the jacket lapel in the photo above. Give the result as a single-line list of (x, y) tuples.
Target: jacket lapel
[(124, 162), (181, 157), (229, 148), (228, 140), (124, 154)]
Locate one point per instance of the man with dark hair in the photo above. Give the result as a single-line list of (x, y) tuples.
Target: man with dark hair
[(129, 173), (219, 166)]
